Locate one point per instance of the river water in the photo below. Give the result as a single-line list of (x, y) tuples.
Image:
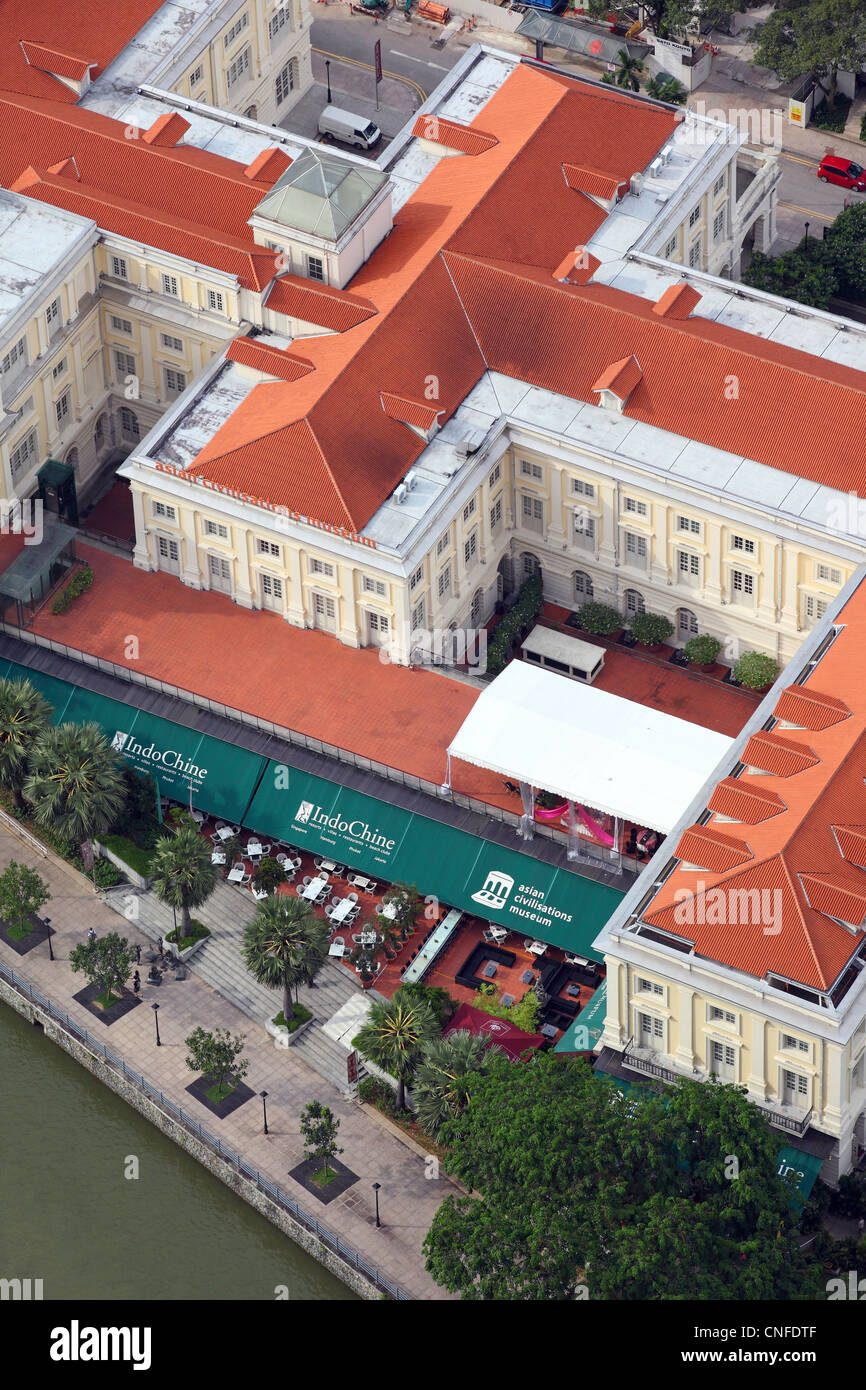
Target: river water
[(70, 1217)]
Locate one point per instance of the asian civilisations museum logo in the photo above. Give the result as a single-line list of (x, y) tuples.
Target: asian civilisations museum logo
[(496, 889)]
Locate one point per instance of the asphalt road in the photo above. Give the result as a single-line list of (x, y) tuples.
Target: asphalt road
[(803, 198), (349, 40)]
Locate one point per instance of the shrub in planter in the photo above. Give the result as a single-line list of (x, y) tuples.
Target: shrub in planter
[(80, 582), (703, 649), (598, 619), (754, 670), (268, 875), (651, 629), (516, 623)]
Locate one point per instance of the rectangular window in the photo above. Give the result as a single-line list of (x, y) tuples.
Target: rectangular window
[(688, 523), (164, 511), (470, 548), (268, 548), (723, 1055), (168, 341), (416, 577), (582, 488), (325, 606), (795, 1084), (59, 368), (828, 574), (124, 364), (794, 1044), (52, 316), (62, 406), (651, 1027), (285, 81), (631, 504), (584, 528), (118, 268), (532, 470), (636, 548), (495, 476), (814, 608), (744, 544), (688, 565), (695, 216), (129, 423), (533, 512), (121, 325), (378, 622), (443, 543), (496, 514), (670, 250), (650, 987), (272, 586), (236, 70), (374, 586), (718, 226), (469, 509), (196, 76), (175, 382), (315, 268), (444, 583), (321, 567), (717, 1015), (743, 584), (16, 357), (418, 615), (215, 301), (719, 185), (236, 30), (279, 19), (23, 455), (216, 528), (169, 285), (695, 254)]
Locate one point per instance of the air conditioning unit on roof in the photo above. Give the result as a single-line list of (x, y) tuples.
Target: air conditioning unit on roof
[(667, 154), (401, 493), (469, 442), (636, 185), (656, 168), (410, 480)]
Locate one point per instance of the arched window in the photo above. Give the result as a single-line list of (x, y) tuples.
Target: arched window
[(634, 603), (476, 606), (99, 432), (129, 423), (530, 564), (72, 458), (687, 623), (582, 586)]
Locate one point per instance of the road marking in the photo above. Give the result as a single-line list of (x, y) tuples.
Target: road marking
[(356, 63), (810, 212), (798, 159), (412, 59)]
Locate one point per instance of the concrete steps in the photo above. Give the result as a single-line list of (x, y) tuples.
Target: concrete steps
[(326, 1057)]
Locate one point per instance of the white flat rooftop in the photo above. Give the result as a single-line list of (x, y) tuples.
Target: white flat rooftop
[(587, 745), (560, 646), (34, 239)]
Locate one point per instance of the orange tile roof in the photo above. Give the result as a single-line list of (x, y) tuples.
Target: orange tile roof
[(166, 130), (592, 181), (85, 31), (268, 166), (52, 61), (577, 267), (677, 302), (711, 849), (793, 821), (455, 136), (620, 377), (324, 305), (266, 357), (416, 413)]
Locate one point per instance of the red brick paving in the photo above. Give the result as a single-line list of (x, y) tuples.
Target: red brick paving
[(113, 514)]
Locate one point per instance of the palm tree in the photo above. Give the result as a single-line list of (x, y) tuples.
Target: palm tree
[(627, 70), (392, 1036), (75, 783), (441, 1086), (285, 944), (182, 873), (24, 717)]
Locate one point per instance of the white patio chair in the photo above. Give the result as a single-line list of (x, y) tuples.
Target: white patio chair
[(306, 879), (329, 909), (283, 860), (353, 897), (338, 941)]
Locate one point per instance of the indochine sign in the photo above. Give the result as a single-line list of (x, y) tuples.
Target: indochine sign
[(150, 757), (357, 834)]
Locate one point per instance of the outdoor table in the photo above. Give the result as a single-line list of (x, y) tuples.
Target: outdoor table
[(573, 991), (343, 910), (527, 978), (538, 948), (368, 938), (313, 889), (218, 857), (388, 910), (336, 948), (548, 1030), (489, 970), (198, 816), (236, 875), (363, 883), (226, 833), (254, 847), (328, 866)]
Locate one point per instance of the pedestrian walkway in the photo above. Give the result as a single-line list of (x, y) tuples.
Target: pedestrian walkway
[(408, 1200)]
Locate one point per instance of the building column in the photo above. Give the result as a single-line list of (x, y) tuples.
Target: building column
[(685, 1053), (295, 607), (189, 559), (616, 1018), (347, 630), (757, 1078), (245, 593), (555, 529), (830, 1100), (141, 554)]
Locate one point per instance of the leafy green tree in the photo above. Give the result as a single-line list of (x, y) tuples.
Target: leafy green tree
[(285, 945), (22, 894), (525, 1014), (268, 875), (627, 70), (218, 1056), (75, 781), (644, 1196), (392, 1037), (804, 274), (407, 903), (845, 245), (182, 873), (106, 961), (441, 1085), (666, 88), (669, 19), (24, 717), (319, 1128), (813, 38)]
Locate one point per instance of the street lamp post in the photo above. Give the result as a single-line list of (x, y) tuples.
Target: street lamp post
[(47, 921), (807, 236), (376, 1188), (328, 77), (155, 1008), (264, 1096)]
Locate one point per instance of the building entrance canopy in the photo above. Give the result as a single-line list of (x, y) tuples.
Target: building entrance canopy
[(586, 745)]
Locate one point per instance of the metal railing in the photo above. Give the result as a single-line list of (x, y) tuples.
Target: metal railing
[(271, 1190)]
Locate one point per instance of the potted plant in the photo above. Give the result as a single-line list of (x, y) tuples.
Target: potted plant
[(651, 629), (701, 651), (599, 619), (756, 671), (364, 960), (268, 875)]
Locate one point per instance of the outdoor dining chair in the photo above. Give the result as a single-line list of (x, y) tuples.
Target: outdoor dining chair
[(283, 860), (329, 909), (306, 879), (353, 897)]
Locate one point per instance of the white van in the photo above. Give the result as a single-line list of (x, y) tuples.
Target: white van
[(351, 129)]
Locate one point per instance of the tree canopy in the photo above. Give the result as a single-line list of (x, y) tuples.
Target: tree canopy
[(816, 38), (584, 1191)]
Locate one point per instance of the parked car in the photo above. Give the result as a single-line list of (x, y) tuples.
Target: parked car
[(838, 169)]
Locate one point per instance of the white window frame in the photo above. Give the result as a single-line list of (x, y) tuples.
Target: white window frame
[(495, 476), (470, 547), (443, 582), (323, 568), (270, 548), (63, 407), (690, 525), (216, 528), (743, 587), (24, 452), (241, 23), (532, 470), (121, 325), (827, 574), (582, 488), (496, 512), (170, 284), (469, 510), (173, 344), (374, 586), (175, 382), (215, 302), (164, 511), (119, 268), (635, 506), (443, 543)]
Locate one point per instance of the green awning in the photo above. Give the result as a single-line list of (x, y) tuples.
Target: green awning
[(54, 474), (223, 777), (489, 880), (583, 1034)]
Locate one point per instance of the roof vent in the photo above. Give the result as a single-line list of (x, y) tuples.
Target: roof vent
[(401, 493), (656, 168), (667, 154), (635, 186), (469, 442)]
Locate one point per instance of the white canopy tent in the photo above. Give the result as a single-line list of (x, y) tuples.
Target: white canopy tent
[(612, 754)]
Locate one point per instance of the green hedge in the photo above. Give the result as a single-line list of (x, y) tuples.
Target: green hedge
[(833, 116), (131, 853), (78, 584), (651, 629), (515, 624), (754, 670), (703, 649), (599, 619)]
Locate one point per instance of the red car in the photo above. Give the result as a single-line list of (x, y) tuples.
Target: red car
[(837, 169)]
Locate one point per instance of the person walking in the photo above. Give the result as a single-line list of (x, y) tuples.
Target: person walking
[(91, 935), (136, 984), (137, 955)]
